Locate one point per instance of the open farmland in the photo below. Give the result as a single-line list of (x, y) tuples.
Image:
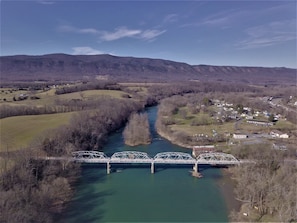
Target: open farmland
[(50, 98), (18, 132), (204, 129)]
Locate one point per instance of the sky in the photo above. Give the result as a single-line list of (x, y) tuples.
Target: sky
[(238, 32)]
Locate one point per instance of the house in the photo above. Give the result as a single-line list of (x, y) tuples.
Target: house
[(256, 113), (275, 133), (261, 123), (197, 150), (240, 136), (250, 117), (247, 109), (278, 134), (284, 136)]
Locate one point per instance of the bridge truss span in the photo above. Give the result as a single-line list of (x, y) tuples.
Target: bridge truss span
[(135, 157), (130, 157), (217, 159), (90, 157), (174, 158)]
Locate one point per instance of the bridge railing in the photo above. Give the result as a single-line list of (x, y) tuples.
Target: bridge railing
[(164, 157)]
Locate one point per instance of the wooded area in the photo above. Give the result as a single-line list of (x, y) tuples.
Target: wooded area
[(137, 130), (266, 187), (34, 190)]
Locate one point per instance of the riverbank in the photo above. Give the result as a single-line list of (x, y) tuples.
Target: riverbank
[(226, 183), (172, 139)]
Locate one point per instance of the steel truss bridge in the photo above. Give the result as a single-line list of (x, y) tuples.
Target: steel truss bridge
[(130, 157)]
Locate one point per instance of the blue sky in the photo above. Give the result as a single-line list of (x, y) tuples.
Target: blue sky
[(240, 33)]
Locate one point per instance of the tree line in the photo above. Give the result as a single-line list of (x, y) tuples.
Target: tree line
[(35, 190), (96, 85), (59, 106), (267, 186)]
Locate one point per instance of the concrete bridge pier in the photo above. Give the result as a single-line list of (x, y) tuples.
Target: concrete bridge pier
[(108, 167), (152, 167), (196, 173), (196, 170)]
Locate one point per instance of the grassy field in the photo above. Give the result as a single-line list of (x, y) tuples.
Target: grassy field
[(7, 94), (49, 97), (18, 132), (205, 129), (184, 123)]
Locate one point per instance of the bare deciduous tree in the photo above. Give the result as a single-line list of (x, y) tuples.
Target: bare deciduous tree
[(137, 130)]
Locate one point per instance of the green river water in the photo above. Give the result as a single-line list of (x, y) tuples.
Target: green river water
[(132, 194)]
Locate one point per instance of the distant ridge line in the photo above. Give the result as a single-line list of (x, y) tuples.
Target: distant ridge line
[(61, 66)]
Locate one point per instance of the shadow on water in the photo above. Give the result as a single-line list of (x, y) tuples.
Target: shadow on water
[(158, 168), (87, 197), (121, 167)]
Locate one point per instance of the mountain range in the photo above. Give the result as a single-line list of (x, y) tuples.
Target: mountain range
[(59, 67)]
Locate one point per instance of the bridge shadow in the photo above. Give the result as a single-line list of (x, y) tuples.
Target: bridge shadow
[(119, 167), (202, 168), (164, 167)]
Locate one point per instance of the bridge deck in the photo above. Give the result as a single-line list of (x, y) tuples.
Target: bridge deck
[(160, 158)]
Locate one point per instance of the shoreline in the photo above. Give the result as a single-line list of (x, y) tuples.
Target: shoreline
[(170, 139), (226, 184)]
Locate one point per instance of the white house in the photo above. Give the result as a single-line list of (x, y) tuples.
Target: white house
[(239, 136), (284, 136)]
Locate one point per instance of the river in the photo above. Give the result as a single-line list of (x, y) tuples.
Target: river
[(133, 194)]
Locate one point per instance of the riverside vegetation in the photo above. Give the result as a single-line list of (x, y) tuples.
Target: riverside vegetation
[(266, 188), (137, 131), (33, 190)]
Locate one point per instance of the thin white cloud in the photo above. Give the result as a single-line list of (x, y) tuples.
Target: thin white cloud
[(44, 2), (77, 30), (89, 30), (151, 34), (237, 16), (269, 34), (85, 50), (223, 18), (170, 18), (118, 33)]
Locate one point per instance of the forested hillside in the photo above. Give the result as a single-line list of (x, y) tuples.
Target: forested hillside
[(87, 67)]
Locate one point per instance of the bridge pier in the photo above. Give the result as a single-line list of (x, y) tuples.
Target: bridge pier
[(196, 170), (196, 173), (152, 167), (108, 167)]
